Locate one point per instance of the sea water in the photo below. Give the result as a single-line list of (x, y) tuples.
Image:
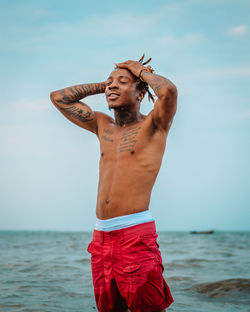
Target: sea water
[(50, 271)]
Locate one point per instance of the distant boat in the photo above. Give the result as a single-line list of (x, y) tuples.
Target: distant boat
[(202, 232)]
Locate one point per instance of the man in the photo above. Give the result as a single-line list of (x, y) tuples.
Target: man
[(125, 258)]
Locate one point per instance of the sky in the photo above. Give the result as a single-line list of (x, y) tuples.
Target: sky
[(49, 166)]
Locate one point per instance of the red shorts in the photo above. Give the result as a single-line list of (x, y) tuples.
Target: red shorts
[(127, 270)]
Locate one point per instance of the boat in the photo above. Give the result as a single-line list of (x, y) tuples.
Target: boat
[(202, 232)]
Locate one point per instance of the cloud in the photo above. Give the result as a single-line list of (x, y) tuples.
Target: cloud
[(97, 27), (31, 105), (123, 24), (47, 33), (218, 73), (237, 31), (189, 38)]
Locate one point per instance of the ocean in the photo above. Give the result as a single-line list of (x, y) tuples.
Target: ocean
[(50, 271)]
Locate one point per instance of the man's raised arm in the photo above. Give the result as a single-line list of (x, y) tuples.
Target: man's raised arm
[(166, 104), (68, 102)]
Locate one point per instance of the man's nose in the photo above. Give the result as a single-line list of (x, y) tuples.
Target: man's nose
[(113, 85)]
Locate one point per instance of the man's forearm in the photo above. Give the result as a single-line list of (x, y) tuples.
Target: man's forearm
[(76, 93), (159, 84)]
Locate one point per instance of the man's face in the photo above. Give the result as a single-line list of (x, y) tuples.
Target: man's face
[(121, 89)]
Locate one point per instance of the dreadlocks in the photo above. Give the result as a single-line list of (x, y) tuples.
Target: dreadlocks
[(144, 86)]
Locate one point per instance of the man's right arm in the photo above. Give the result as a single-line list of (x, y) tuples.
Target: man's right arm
[(68, 102)]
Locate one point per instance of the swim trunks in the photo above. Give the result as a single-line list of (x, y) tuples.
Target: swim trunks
[(127, 270)]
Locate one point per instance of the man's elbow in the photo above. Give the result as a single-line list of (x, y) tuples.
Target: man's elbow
[(170, 90), (54, 97), (169, 93)]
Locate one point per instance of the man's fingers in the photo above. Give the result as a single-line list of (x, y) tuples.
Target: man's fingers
[(150, 68), (130, 62), (121, 65)]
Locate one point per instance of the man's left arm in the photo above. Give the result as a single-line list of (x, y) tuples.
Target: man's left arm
[(166, 92), (166, 104)]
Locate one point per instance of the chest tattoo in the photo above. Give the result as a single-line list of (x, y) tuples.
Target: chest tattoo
[(108, 135), (128, 140)]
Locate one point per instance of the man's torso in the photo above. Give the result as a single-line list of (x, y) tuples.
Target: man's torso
[(129, 163)]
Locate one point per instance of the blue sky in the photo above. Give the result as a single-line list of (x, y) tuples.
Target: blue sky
[(49, 167)]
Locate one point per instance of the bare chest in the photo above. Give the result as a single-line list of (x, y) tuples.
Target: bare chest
[(130, 145), (117, 143)]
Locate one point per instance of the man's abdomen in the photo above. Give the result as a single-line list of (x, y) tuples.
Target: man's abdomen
[(124, 189)]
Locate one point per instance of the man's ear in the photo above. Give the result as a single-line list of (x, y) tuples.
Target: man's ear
[(141, 94)]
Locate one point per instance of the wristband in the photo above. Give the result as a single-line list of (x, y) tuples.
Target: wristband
[(142, 70)]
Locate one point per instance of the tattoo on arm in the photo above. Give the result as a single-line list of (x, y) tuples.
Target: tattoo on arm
[(78, 113), (156, 81), (166, 92), (78, 92)]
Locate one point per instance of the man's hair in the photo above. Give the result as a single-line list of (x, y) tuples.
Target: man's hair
[(142, 85)]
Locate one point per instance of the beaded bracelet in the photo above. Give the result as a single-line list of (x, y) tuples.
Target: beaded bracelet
[(142, 70)]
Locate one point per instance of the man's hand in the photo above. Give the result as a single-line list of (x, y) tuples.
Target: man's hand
[(135, 67)]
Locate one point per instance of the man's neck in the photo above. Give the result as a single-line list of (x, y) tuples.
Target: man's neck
[(124, 116)]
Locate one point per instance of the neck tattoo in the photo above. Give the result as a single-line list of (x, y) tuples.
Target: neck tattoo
[(123, 116)]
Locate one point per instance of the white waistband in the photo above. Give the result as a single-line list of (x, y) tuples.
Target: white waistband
[(122, 222)]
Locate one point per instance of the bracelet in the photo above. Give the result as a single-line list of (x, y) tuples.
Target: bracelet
[(142, 70)]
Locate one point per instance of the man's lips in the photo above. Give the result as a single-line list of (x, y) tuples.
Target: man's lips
[(113, 96)]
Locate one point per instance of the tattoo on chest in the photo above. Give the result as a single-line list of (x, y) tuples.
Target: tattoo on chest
[(128, 139), (78, 113), (107, 135), (108, 131), (106, 138)]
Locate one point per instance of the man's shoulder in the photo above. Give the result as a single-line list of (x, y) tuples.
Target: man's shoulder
[(102, 117)]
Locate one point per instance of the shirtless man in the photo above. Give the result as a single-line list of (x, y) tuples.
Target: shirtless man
[(125, 258)]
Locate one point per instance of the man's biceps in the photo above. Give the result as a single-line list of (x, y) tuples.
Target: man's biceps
[(162, 118), (166, 108), (88, 125), (78, 112), (85, 120)]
